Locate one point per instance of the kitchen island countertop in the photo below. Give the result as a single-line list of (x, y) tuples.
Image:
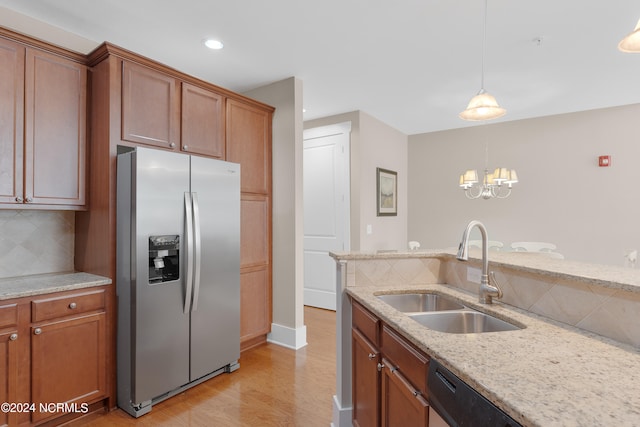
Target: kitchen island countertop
[(24, 286), (546, 374)]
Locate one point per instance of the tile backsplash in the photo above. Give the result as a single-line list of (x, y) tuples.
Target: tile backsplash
[(36, 242)]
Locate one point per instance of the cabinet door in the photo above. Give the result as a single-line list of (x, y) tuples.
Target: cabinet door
[(68, 362), (11, 117), (8, 374), (255, 307), (402, 405), (55, 130), (150, 111), (255, 286), (249, 143), (202, 121), (366, 381)]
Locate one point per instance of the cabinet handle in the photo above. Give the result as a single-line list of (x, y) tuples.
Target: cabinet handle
[(29, 200), (372, 356), (19, 199), (37, 331), (185, 147), (72, 305), (13, 337), (380, 366), (172, 144)]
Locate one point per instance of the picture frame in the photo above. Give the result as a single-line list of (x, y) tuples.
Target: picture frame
[(386, 192)]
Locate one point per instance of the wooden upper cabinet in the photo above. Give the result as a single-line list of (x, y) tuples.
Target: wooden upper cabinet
[(249, 143), (150, 107), (11, 114), (55, 130), (202, 121), (43, 110)]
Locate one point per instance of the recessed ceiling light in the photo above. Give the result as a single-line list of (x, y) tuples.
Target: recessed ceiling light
[(213, 44)]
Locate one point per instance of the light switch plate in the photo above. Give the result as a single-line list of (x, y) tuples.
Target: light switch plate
[(474, 275)]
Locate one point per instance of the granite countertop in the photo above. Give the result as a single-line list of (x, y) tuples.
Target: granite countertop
[(547, 374), (607, 276), (16, 287)]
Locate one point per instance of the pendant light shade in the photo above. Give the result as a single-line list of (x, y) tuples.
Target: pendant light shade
[(483, 106), (631, 43)]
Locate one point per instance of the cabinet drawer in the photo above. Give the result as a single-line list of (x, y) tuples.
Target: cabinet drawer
[(8, 315), (409, 360), (365, 322), (81, 302)]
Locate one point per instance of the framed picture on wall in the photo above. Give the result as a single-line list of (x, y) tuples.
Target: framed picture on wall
[(387, 192)]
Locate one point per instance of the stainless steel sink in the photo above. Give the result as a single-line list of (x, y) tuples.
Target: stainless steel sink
[(463, 322), (418, 303)]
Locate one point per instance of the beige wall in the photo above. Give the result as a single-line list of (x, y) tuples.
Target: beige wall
[(373, 144), (592, 214), (287, 209)]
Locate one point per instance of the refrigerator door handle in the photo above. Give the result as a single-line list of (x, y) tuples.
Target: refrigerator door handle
[(188, 215), (198, 250)]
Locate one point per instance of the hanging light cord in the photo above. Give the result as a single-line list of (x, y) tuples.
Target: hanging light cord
[(484, 46)]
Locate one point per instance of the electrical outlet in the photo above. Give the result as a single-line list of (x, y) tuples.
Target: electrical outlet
[(474, 275)]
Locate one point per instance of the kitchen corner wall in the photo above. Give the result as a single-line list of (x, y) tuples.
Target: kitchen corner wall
[(373, 144), (288, 280), (591, 213), (36, 242)]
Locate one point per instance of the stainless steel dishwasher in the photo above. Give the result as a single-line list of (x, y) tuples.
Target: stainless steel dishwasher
[(460, 405)]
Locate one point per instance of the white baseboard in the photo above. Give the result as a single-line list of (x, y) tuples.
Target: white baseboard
[(320, 299), (294, 338), (342, 417)]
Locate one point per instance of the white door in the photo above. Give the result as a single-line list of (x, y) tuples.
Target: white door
[(326, 209)]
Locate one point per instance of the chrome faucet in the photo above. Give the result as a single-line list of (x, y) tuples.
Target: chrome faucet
[(487, 290)]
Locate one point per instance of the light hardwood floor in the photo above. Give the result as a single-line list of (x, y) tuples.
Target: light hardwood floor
[(274, 386)]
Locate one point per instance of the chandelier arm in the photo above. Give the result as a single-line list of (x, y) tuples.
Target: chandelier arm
[(470, 194), (502, 194)]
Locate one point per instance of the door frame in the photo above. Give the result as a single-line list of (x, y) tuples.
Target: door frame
[(345, 209)]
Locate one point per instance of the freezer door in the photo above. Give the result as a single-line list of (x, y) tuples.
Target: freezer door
[(161, 329), (215, 316)]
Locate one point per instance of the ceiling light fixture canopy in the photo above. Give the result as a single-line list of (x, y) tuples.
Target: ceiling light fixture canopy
[(631, 43), (483, 106)]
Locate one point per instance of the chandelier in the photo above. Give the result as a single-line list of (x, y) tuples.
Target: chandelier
[(494, 185)]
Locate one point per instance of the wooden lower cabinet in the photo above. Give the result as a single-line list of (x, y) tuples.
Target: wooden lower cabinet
[(67, 365), (402, 405), (255, 310), (8, 374), (389, 375), (53, 357), (366, 381)]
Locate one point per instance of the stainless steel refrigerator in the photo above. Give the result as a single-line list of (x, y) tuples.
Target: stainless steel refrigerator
[(178, 274)]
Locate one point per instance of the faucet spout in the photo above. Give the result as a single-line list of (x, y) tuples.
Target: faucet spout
[(487, 290)]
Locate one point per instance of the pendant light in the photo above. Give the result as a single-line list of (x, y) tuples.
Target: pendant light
[(483, 106), (631, 43)]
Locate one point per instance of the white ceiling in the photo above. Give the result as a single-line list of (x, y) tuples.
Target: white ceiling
[(412, 64)]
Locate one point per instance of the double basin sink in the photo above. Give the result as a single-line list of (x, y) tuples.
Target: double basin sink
[(443, 314)]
